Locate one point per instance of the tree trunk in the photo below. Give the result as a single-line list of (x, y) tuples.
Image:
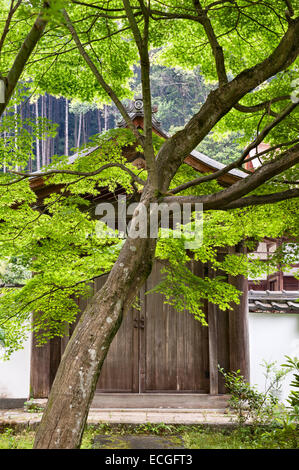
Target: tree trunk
[(84, 128), (16, 131), (66, 413), (75, 129), (79, 130), (43, 114), (99, 121), (106, 118), (4, 139), (66, 148), (49, 139), (37, 139)]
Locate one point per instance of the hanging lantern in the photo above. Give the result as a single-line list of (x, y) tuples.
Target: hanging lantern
[(2, 91)]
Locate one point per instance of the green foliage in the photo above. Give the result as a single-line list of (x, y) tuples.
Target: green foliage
[(9, 439), (57, 243), (183, 289), (247, 402), (223, 148), (56, 240), (31, 406), (292, 365), (13, 271), (178, 93), (263, 409)]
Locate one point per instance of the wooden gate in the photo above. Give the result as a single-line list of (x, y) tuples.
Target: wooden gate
[(156, 349), (159, 350)]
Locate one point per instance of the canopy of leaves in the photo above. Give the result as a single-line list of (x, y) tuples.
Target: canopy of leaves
[(56, 240)]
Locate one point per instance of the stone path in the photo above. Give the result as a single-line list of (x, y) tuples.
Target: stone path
[(219, 418)]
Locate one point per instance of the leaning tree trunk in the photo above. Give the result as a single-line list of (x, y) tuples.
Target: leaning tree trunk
[(65, 416)]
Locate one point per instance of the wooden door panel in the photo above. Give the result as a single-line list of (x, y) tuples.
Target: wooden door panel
[(120, 369), (176, 346), (193, 361), (168, 352)]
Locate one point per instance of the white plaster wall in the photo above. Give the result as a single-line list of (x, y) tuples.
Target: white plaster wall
[(15, 374), (271, 337)]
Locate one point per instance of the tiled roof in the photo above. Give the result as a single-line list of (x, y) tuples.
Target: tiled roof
[(135, 109), (273, 301), (214, 164)]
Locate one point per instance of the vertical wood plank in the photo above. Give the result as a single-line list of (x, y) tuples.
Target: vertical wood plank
[(141, 334), (238, 324), (176, 346), (213, 349), (39, 369), (120, 368), (55, 357), (222, 346)]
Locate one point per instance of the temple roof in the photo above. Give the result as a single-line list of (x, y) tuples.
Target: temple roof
[(197, 160), (273, 301)]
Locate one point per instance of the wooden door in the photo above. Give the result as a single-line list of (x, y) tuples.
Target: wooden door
[(157, 349), (175, 346)]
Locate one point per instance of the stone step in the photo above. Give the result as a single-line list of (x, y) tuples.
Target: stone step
[(159, 400)]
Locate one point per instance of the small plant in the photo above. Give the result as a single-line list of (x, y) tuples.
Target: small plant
[(264, 408), (11, 439), (284, 435), (293, 399), (273, 378), (247, 402), (31, 406)]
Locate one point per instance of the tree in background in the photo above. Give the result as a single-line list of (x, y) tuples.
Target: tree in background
[(87, 52)]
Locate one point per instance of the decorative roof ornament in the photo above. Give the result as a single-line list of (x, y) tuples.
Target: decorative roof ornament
[(135, 109)]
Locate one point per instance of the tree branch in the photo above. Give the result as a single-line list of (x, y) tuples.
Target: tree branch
[(242, 159), (219, 102), (74, 172), (254, 200), (142, 44), (216, 48), (290, 10), (100, 78), (259, 107), (243, 187), (22, 57), (280, 117), (11, 12), (263, 199)]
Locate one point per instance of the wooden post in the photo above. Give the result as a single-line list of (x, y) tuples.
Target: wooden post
[(238, 325), (44, 363), (213, 350)]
